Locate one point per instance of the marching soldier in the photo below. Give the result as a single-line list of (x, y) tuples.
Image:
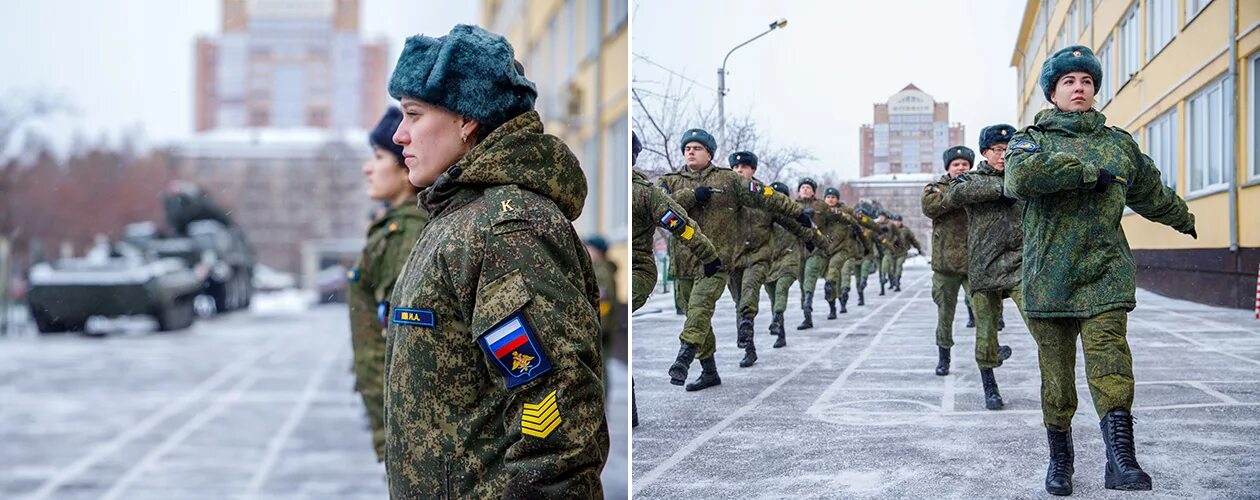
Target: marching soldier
[(784, 269), (389, 239), (995, 240), (949, 257), (1077, 175), (901, 249), (714, 196)]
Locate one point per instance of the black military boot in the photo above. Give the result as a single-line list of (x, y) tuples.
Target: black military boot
[(708, 375), (829, 294), (942, 361), (992, 400), (844, 300), (1004, 353), (862, 295), (882, 281), (971, 318), (1123, 471), (896, 281), (1001, 324), (776, 329), (744, 333), (807, 307), (678, 371), (750, 355), (1062, 456)]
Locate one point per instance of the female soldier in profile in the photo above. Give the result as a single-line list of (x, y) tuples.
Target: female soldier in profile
[(389, 239), (493, 370)]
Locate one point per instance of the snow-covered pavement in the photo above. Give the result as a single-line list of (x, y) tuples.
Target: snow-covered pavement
[(250, 405), (852, 408)]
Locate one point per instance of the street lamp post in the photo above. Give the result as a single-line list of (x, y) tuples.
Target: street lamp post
[(722, 79)]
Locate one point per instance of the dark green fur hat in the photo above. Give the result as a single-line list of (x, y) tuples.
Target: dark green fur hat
[(1067, 60), (470, 71), (957, 152), (995, 134), (698, 135), (807, 180), (780, 187), (831, 192), (743, 158)]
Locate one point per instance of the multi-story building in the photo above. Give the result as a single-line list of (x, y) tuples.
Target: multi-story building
[(576, 51), (289, 63), (1182, 76), (908, 134)]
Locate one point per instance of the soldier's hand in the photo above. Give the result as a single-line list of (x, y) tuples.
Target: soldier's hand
[(712, 267), (1007, 201), (1193, 234), (809, 246), (805, 220), (1104, 181), (703, 194)]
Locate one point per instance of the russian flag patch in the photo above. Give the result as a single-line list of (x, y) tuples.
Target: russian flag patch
[(515, 350)]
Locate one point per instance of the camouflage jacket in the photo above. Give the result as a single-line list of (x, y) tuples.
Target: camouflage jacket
[(389, 240), (494, 373), (830, 224), (757, 227), (851, 237), (682, 263), (786, 259), (720, 218), (1077, 262), (949, 228), (905, 240), (884, 238), (653, 209), (995, 233)]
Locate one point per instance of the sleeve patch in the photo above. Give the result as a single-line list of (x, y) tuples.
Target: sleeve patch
[(515, 350), (1025, 145), (413, 317), (540, 419), (687, 232)]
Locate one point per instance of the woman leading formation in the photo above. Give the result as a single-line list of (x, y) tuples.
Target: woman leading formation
[(1076, 176), (493, 374)]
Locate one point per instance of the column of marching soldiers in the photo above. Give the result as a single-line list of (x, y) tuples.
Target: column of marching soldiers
[(1044, 232)]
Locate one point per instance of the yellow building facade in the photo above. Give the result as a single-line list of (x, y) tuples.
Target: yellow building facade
[(1182, 76)]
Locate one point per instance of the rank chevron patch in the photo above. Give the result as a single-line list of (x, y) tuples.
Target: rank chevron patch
[(538, 420)]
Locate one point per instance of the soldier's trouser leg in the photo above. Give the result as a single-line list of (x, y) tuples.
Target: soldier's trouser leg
[(867, 266), (698, 327), (682, 292), (369, 371), (641, 285), (749, 301), (886, 265), (897, 266), (734, 278), (945, 294), (835, 266), (809, 277), (1108, 364), (848, 271), (781, 288), (988, 308)]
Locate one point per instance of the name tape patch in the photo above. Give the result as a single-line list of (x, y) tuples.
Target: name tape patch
[(414, 317)]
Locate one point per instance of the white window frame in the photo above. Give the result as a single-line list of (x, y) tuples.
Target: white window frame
[(1198, 157), (1253, 125), (1129, 33), (1074, 23), (1104, 92), (1161, 16), (1161, 146), (1192, 12)]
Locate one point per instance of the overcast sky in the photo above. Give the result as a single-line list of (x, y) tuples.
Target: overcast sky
[(813, 83), (130, 62)]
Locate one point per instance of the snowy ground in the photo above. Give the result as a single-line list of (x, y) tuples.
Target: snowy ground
[(852, 408), (257, 404)]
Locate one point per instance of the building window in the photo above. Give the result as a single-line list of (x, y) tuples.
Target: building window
[(1104, 88), (590, 26), (1073, 22), (1161, 25), (616, 177), (1161, 145), (1206, 150), (1255, 117), (1130, 41), (1194, 7), (617, 12)]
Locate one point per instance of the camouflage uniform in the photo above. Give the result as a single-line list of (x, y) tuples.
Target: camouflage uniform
[(389, 239), (493, 369), (902, 250), (652, 209), (719, 218), (885, 243), (832, 224), (784, 268), (1078, 271), (852, 255), (949, 255), (995, 240)]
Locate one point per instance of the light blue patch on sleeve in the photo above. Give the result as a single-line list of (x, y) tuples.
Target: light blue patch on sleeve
[(1025, 145)]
